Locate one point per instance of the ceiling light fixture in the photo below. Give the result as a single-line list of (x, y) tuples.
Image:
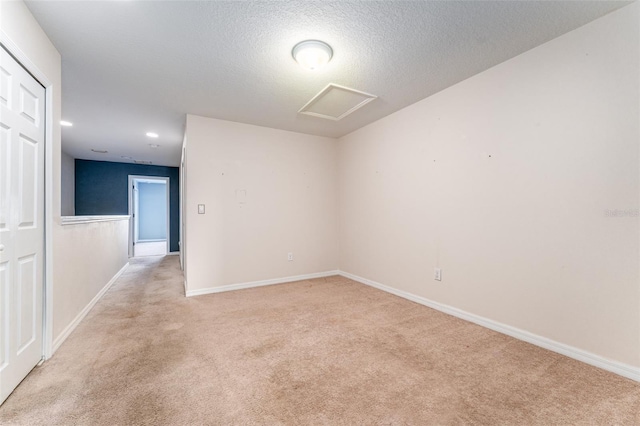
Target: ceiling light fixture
[(312, 54), (99, 151), (152, 135), (66, 123), (153, 145)]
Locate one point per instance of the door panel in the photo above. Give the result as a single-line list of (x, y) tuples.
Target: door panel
[(29, 105), (26, 304), (5, 86), (4, 314), (5, 176), (28, 185), (22, 136)]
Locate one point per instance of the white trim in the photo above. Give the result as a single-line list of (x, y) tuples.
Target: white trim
[(173, 253), (624, 370), (74, 220), (261, 283), (181, 200), (167, 181), (78, 319), (47, 314)]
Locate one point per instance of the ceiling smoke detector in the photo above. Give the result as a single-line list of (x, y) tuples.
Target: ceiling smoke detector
[(312, 54)]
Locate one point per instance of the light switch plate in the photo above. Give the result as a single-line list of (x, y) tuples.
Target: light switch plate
[(200, 208)]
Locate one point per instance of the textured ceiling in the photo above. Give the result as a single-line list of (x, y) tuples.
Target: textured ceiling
[(135, 66)]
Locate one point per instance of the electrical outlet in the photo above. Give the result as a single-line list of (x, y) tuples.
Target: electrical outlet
[(437, 274), (290, 257)]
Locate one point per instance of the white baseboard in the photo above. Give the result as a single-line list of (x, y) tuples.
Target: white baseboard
[(252, 284), (616, 367), (173, 253), (78, 319)]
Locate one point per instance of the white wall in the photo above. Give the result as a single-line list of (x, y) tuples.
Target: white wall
[(67, 185), (503, 181), (94, 253), (267, 192), (70, 272)]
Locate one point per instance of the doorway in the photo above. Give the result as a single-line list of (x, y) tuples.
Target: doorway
[(149, 211)]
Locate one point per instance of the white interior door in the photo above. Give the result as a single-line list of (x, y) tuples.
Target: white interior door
[(22, 132)]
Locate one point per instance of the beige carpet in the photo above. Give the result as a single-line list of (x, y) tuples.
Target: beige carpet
[(323, 352)]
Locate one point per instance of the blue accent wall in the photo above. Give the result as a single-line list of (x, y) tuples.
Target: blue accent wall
[(152, 211), (102, 189)]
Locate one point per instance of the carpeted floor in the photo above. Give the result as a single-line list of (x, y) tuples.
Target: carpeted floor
[(326, 351)]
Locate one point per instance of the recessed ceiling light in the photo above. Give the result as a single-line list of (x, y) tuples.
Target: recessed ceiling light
[(154, 145), (312, 54), (66, 123), (152, 135), (99, 151)]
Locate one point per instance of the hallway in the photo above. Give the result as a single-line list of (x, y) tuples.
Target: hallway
[(112, 367)]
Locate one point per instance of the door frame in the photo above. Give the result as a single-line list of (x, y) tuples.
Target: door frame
[(167, 181), (47, 294), (181, 194)]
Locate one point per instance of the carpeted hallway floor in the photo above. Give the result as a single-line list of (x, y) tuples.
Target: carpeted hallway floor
[(326, 351)]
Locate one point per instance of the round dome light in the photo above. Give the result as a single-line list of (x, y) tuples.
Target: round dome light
[(312, 54)]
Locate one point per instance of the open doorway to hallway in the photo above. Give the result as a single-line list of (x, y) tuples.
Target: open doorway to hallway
[(149, 211)]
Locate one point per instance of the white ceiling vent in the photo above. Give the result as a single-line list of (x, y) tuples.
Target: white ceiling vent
[(336, 102)]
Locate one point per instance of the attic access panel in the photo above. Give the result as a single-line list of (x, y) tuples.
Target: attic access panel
[(335, 102)]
